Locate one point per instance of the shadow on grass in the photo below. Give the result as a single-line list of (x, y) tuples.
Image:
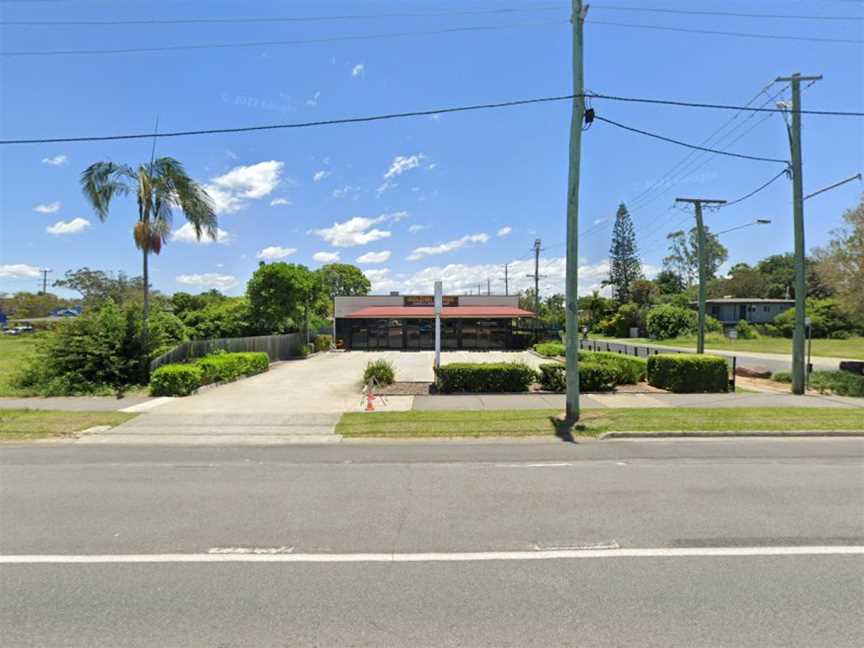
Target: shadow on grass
[(564, 429)]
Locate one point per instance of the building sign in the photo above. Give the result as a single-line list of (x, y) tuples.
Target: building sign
[(428, 300)]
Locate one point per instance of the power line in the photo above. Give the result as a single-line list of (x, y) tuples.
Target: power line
[(435, 111), (692, 146), (731, 14), (713, 32), (308, 41), (272, 19), (784, 172)]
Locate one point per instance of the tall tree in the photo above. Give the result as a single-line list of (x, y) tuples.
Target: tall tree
[(841, 264), (159, 186), (97, 286), (683, 257), (624, 265), (280, 295)]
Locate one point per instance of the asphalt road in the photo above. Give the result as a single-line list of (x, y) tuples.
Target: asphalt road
[(133, 505)]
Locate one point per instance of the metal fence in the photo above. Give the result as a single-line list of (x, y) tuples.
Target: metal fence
[(638, 351), (277, 347)]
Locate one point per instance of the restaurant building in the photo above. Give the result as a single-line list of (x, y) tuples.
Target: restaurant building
[(407, 322)]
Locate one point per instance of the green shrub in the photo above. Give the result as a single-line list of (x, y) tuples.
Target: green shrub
[(631, 369), (553, 377), (842, 383), (688, 372), (782, 376), (323, 342), (827, 317), (305, 350), (381, 371), (746, 331), (225, 367), (597, 377), (175, 380), (550, 349), (476, 377), (668, 321)]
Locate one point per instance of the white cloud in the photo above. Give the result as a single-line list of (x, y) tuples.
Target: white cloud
[(208, 280), (355, 231), (58, 160), (313, 100), (374, 257), (358, 70), (318, 176), (74, 226), (19, 271), (274, 252), (417, 228), (231, 191), (460, 278), (347, 192), (504, 231), (449, 246), (325, 257), (186, 234), (403, 163), (279, 201), (48, 208)]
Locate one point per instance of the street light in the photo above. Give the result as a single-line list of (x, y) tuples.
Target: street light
[(758, 221)]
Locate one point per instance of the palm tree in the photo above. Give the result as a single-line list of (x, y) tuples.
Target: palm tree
[(159, 186)]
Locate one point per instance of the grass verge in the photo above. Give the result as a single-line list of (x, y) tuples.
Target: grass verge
[(28, 424), (517, 423), (13, 351)]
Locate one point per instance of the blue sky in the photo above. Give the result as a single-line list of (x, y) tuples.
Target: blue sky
[(453, 197)]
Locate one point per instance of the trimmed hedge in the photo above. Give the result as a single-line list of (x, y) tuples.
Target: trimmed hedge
[(688, 373), (842, 383), (175, 380), (550, 349), (322, 342), (553, 377), (632, 369), (593, 377), (476, 377), (225, 367)]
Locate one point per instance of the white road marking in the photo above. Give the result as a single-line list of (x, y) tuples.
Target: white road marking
[(551, 554), (592, 545), (251, 550), (146, 405), (543, 464)]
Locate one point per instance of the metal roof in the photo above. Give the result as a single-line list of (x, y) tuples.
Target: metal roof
[(425, 312)]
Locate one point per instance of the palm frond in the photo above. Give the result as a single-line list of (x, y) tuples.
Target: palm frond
[(174, 186), (101, 181)]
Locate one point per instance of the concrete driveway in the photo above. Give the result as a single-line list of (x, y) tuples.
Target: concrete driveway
[(296, 401)]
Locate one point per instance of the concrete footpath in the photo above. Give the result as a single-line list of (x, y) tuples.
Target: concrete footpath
[(556, 401)]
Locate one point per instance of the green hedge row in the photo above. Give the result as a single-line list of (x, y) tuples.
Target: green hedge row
[(593, 377), (183, 379), (632, 369), (688, 373), (484, 377), (842, 383), (550, 349)]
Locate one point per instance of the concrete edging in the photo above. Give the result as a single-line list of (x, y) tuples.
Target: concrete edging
[(729, 434)]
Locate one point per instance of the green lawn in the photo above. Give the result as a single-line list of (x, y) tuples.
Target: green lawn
[(13, 350), (27, 424), (852, 348), (514, 423)]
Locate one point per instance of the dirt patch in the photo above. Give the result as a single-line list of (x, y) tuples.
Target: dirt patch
[(405, 389)]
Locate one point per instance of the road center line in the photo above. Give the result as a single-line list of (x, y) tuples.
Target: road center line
[(475, 556)]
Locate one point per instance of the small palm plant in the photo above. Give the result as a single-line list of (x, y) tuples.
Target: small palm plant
[(159, 186)]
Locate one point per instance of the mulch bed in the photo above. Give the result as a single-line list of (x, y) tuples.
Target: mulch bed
[(405, 389)]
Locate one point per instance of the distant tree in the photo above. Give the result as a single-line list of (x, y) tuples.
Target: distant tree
[(160, 186), (644, 292), (779, 272), (280, 294), (840, 265), (96, 286), (554, 313), (683, 257), (340, 279), (596, 307), (669, 282), (22, 305), (183, 303), (741, 281), (624, 265)]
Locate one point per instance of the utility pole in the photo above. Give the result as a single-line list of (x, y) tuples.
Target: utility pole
[(571, 287), (506, 281), (536, 276), (488, 286), (798, 341), (700, 245), (45, 272)]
